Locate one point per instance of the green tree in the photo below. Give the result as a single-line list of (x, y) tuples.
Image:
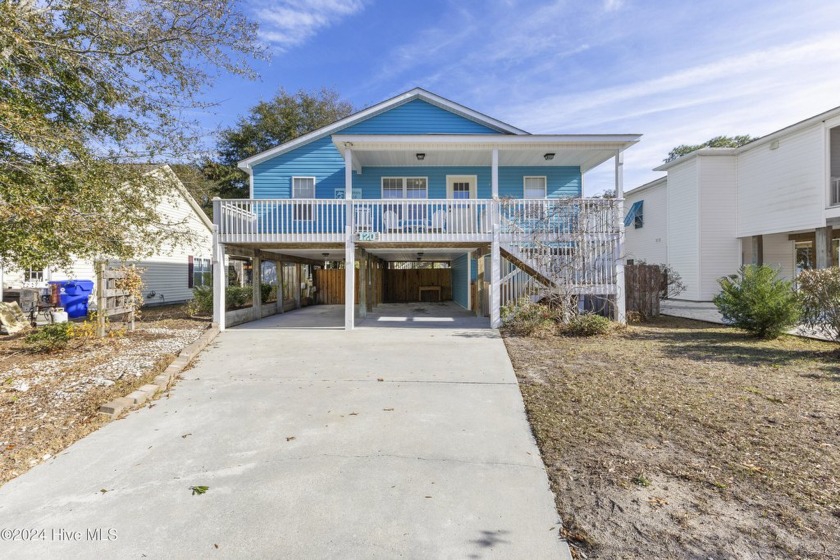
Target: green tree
[(268, 124), (716, 142), (90, 90), (758, 301)]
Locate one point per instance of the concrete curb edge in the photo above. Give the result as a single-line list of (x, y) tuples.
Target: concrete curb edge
[(162, 382)]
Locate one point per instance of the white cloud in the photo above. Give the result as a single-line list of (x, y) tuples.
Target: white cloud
[(613, 5), (288, 23)]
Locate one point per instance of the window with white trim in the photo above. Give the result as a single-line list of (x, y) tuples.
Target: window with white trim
[(461, 190), (405, 187), (534, 187), (202, 272), (303, 187), (33, 275)]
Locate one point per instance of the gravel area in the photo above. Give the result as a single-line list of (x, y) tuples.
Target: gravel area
[(49, 400)]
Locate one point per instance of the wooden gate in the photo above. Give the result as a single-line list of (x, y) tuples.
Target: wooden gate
[(643, 288)]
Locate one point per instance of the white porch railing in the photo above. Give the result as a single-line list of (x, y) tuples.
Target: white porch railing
[(541, 230), (317, 220), (572, 242), (516, 285), (835, 191)]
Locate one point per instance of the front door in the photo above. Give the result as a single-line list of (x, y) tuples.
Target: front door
[(461, 187)]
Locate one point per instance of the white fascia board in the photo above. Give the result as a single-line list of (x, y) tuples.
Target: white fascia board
[(182, 190), (713, 152), (796, 127), (651, 185), (485, 141), (416, 93)]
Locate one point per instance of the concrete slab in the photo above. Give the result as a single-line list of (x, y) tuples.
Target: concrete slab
[(314, 443), (706, 311)]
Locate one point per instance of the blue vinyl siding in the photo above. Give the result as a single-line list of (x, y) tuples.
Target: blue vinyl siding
[(460, 270), (561, 181), (273, 178), (418, 117), (319, 159)]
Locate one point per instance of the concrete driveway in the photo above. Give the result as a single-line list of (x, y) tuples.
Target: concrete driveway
[(314, 443)]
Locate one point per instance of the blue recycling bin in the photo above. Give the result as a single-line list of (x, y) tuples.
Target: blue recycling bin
[(73, 296)]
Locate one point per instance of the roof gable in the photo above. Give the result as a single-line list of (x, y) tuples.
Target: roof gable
[(447, 114), (418, 117)]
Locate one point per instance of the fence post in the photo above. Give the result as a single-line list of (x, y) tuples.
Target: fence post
[(101, 301), (131, 299)]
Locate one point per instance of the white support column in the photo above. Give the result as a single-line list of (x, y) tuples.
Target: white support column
[(495, 268), (494, 174), (822, 247), (349, 285), (219, 274), (256, 287), (620, 296), (349, 244)]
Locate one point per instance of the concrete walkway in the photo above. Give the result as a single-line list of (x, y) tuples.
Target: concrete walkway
[(314, 443), (706, 311)]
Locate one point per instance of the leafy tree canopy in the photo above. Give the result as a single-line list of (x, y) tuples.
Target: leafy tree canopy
[(268, 124), (716, 142), (89, 89)]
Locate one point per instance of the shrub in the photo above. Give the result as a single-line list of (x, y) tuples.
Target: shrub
[(202, 301), (820, 293), (50, 337), (530, 319), (758, 301), (266, 291), (588, 324), (237, 296)]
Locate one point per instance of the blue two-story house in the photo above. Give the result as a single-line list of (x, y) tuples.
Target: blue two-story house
[(419, 176)]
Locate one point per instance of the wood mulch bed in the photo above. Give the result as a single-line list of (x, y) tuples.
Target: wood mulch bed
[(50, 400), (680, 439)]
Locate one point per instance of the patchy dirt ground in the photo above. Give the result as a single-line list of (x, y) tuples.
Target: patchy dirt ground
[(50, 400), (678, 439)]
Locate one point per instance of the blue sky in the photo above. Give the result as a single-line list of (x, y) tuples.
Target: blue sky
[(677, 72)]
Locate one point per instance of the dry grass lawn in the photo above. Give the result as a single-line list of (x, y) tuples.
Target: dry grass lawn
[(679, 439)]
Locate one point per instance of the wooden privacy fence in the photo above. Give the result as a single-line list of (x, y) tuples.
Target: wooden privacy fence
[(403, 286), (643, 288), (389, 286), (329, 284)]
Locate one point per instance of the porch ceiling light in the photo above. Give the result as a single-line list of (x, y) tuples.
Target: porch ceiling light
[(421, 156), (549, 156)]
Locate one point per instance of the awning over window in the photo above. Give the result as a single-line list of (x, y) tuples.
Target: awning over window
[(635, 210)]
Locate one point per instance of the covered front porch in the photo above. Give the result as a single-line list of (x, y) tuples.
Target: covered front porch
[(793, 252)]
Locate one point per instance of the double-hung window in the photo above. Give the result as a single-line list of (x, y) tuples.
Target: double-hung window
[(534, 187), (303, 187), (406, 188), (202, 272)]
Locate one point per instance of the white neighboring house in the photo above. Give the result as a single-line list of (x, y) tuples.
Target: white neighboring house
[(168, 276), (774, 201)]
